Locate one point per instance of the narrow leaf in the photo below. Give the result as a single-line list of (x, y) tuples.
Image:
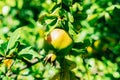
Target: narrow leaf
[(13, 38)]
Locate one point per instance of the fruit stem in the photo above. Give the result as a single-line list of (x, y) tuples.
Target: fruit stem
[(64, 72)]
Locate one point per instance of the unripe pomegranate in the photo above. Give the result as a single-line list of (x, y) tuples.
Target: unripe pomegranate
[(59, 39)]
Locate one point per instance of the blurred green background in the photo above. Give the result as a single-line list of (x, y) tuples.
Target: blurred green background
[(93, 25)]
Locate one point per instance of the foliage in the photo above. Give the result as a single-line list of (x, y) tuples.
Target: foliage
[(92, 24)]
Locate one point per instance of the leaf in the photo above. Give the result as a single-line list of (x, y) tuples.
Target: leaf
[(65, 7), (13, 39), (81, 45), (30, 52), (27, 36), (68, 2), (76, 52), (57, 1), (27, 56), (51, 16), (86, 42), (80, 36), (20, 4), (70, 64), (2, 48), (70, 17), (53, 22), (1, 53)]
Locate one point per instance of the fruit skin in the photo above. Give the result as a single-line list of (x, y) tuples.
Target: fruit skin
[(60, 41)]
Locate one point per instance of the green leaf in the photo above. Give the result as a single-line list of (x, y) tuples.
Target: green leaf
[(30, 52), (27, 56), (53, 22), (76, 52), (81, 45), (68, 2), (57, 1), (70, 17), (51, 16), (70, 64), (86, 42), (27, 36), (13, 39), (80, 36), (20, 4), (55, 8), (2, 48)]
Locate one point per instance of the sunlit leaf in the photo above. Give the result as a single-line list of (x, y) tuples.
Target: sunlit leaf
[(20, 3), (30, 52), (13, 39)]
